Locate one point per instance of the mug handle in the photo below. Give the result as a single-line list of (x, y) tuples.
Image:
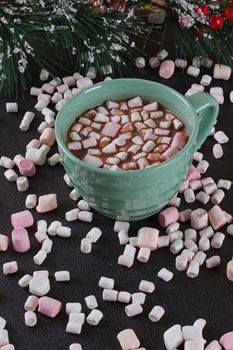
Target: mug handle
[(207, 109)]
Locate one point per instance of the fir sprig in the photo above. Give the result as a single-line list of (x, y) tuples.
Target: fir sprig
[(65, 32)]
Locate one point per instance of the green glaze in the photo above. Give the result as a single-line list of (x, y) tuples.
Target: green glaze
[(135, 195)]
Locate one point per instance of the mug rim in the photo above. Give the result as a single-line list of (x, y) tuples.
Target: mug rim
[(191, 140)]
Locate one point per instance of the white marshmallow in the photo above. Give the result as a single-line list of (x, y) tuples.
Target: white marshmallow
[(73, 308), (10, 175), (63, 231), (94, 234), (26, 121), (156, 313), (86, 246), (173, 337), (94, 318), (91, 302), (40, 257), (62, 276), (165, 275), (106, 283)]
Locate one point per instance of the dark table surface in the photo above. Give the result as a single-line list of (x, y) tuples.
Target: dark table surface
[(210, 296)]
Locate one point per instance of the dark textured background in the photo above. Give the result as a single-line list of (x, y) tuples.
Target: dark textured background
[(209, 296)]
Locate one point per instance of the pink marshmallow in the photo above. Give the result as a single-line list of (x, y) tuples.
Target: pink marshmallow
[(4, 242), (168, 216), (179, 140), (217, 217), (193, 174), (22, 219), (27, 167), (128, 339), (167, 69), (230, 270), (49, 306), (184, 186), (4, 339), (110, 129), (46, 203), (169, 153), (227, 341), (221, 71), (48, 137), (20, 240)]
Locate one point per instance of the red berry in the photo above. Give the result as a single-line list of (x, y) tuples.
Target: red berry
[(204, 8), (228, 13), (216, 21)]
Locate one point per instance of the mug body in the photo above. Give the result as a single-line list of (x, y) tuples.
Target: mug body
[(127, 195)]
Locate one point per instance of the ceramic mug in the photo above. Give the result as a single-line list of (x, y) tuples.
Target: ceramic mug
[(135, 195)]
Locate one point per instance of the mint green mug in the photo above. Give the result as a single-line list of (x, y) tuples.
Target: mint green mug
[(135, 195)]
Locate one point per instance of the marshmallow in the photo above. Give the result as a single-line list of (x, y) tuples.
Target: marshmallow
[(73, 308), (22, 219), (168, 216), (12, 107), (86, 246), (221, 71), (214, 345), (165, 275), (140, 62), (146, 286), (47, 203), (230, 270), (143, 254), (206, 80), (193, 269), (49, 306), (31, 303), (72, 215), (154, 62), (180, 63), (22, 183), (62, 276), (148, 238), (173, 337), (20, 240), (75, 346), (4, 338), (200, 257), (91, 302), (213, 262), (63, 231), (216, 217), (106, 283), (39, 286), (10, 268), (217, 151), (162, 55), (128, 339), (138, 298), (11, 175), (31, 201), (109, 295), (94, 317), (124, 297), (227, 340), (4, 242), (193, 71), (30, 318), (26, 121), (199, 219), (156, 313), (167, 69), (181, 262), (134, 309)]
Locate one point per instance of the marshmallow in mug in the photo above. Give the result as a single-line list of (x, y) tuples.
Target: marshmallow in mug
[(126, 135)]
